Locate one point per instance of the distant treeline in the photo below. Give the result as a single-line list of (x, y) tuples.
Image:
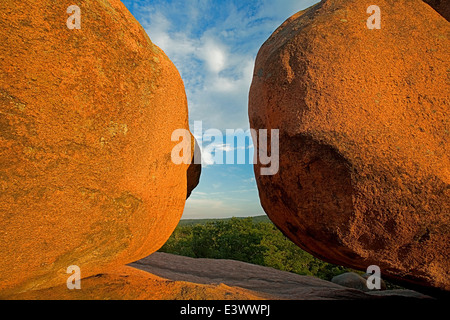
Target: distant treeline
[(252, 240)]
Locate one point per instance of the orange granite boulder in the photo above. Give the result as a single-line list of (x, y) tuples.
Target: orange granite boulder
[(364, 126), (86, 117)]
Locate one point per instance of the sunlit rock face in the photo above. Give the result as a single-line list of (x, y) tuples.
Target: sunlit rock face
[(86, 117), (364, 128)]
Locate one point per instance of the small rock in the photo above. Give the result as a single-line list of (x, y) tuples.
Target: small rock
[(351, 280)]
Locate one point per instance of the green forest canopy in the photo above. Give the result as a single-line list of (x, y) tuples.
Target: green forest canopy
[(253, 240)]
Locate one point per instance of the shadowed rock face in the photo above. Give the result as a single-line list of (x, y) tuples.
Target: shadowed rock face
[(86, 118), (195, 169), (364, 136), (441, 6)]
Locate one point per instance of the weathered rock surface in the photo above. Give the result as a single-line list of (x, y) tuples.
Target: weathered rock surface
[(126, 283), (264, 282), (86, 118), (364, 136)]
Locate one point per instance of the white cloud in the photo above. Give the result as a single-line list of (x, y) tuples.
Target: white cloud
[(209, 153), (207, 159), (215, 56), (226, 147), (214, 45)]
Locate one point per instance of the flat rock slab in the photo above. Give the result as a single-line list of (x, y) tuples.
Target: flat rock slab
[(126, 283), (274, 283)]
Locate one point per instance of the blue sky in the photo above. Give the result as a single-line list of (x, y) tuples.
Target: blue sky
[(214, 45)]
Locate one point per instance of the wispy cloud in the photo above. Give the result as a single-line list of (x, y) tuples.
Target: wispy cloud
[(214, 45), (250, 180)]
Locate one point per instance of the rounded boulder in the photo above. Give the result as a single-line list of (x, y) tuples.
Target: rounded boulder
[(86, 117), (364, 126)]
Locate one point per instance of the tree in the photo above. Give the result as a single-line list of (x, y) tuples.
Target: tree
[(244, 240)]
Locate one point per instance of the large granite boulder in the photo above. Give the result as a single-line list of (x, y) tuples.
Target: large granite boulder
[(364, 126), (86, 117)]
